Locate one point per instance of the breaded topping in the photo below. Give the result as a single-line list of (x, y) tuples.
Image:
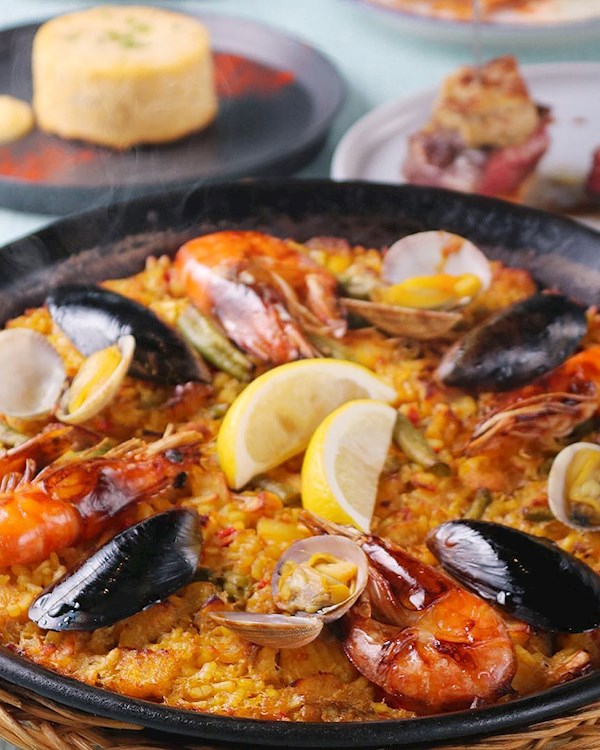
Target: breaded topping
[(489, 106)]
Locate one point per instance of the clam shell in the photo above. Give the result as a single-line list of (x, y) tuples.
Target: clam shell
[(277, 631), (411, 322), (429, 253), (32, 373), (105, 392), (557, 496), (338, 546)]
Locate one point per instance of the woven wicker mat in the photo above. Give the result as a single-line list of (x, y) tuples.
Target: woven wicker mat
[(31, 722)]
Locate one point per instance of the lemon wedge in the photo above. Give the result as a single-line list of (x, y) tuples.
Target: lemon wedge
[(274, 417), (343, 461)]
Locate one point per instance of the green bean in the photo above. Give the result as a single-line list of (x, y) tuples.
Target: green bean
[(330, 347), (217, 411), (483, 497), (538, 514), (288, 494), (546, 465), (413, 442), (11, 437), (237, 586), (440, 469), (96, 451), (216, 348), (358, 283)]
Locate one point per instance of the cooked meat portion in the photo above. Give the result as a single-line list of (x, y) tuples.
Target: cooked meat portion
[(485, 135), (488, 106)]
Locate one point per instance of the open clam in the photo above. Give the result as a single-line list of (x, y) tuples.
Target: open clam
[(321, 575), (276, 631), (33, 374), (97, 382), (574, 486), (426, 277), (404, 321), (34, 377), (316, 581), (433, 254)]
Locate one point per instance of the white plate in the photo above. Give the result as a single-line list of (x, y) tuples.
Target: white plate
[(544, 21), (375, 146)]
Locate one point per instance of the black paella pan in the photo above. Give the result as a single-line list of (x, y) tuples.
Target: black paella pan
[(114, 241)]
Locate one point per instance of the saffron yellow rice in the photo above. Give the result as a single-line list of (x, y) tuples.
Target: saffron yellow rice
[(173, 653)]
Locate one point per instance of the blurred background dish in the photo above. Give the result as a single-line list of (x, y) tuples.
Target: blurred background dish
[(375, 147), (532, 20), (277, 98)]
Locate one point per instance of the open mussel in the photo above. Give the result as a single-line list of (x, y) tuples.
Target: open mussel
[(95, 318), (515, 346), (531, 577), (140, 566)]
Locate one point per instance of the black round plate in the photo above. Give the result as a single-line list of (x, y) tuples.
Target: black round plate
[(114, 241), (277, 98)]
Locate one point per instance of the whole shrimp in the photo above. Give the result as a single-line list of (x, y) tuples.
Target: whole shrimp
[(74, 502), (265, 294), (549, 408), (429, 644)]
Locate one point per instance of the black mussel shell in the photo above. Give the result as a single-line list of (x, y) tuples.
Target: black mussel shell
[(94, 318), (516, 346), (139, 567), (531, 577)]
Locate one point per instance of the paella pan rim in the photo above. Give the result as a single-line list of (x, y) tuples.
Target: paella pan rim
[(117, 238)]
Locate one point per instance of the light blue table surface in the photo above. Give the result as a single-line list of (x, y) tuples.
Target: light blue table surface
[(378, 60)]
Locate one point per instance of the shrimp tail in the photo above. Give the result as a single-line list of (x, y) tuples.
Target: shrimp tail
[(385, 647)]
